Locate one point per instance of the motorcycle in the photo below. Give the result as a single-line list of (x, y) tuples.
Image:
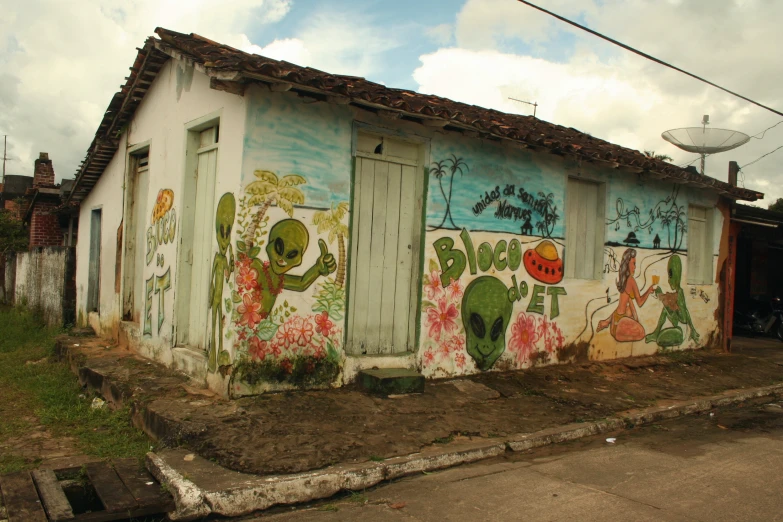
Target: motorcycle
[(760, 317)]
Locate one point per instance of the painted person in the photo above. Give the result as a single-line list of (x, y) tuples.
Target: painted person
[(675, 309), (222, 268), (624, 323)]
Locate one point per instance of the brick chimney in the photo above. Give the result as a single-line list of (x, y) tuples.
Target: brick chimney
[(44, 171)]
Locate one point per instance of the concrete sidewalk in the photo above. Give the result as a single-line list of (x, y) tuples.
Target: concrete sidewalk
[(293, 447)]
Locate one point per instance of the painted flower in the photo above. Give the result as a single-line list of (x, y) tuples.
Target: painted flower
[(445, 348), (286, 365), (243, 262), (459, 359), (458, 343), (428, 357), (442, 318), (249, 311), (433, 287), (322, 324), (303, 329), (524, 335), (242, 335), (455, 289), (257, 349), (247, 278), (286, 335)]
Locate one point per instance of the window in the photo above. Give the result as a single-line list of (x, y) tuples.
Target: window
[(585, 224), (699, 245)]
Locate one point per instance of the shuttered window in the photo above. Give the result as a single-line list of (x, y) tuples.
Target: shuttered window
[(699, 245), (585, 210)]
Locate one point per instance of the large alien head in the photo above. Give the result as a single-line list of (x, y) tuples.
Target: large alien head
[(675, 272), (224, 220), (486, 311), (287, 242)]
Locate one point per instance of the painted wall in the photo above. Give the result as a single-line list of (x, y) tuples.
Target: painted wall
[(495, 295), (42, 280), (286, 299), (178, 97)]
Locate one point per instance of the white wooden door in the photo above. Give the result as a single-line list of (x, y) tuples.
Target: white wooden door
[(203, 231), (384, 253), (138, 243)]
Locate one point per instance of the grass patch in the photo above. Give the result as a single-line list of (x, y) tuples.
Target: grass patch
[(37, 391), (376, 458), (444, 440)]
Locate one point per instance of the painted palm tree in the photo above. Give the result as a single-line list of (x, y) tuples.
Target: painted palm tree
[(549, 210), (332, 221), (440, 169), (270, 189)]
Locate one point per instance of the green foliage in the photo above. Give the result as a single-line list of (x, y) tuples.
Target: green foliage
[(34, 387), (301, 371), (330, 298), (651, 154), (777, 206), (13, 234)]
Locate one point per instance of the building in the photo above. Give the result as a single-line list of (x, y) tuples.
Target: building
[(264, 226)]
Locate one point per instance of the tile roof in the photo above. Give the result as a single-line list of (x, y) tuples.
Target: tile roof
[(229, 69)]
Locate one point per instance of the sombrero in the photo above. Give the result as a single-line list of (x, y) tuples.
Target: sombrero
[(544, 263)]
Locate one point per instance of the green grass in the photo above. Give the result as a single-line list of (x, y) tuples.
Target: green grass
[(38, 391)]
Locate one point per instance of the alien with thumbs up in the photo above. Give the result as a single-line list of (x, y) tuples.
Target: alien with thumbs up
[(288, 240)]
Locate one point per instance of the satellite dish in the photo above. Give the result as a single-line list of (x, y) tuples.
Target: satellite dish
[(704, 141)]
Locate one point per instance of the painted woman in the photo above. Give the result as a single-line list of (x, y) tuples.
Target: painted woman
[(624, 322)]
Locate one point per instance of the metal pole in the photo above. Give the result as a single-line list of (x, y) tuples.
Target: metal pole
[(5, 143), (702, 163)]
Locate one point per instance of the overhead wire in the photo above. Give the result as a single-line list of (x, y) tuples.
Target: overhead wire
[(762, 133), (761, 157), (649, 57)]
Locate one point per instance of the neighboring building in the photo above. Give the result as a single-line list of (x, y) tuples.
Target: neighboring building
[(12, 191), (263, 226)]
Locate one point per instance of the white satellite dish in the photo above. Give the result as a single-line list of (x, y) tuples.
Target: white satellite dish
[(704, 141)]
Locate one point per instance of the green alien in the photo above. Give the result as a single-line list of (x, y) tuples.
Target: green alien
[(675, 309), (486, 311), (222, 268), (288, 240)]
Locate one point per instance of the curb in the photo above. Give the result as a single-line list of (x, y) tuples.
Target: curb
[(250, 493)]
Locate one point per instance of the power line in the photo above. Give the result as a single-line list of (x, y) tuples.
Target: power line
[(645, 55), (761, 157), (765, 131)]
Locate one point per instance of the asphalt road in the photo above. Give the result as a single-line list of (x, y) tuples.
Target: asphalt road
[(728, 466)]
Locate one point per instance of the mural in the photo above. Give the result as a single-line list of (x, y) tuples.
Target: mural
[(162, 231), (624, 322), (666, 215), (675, 310), (278, 342), (222, 268)]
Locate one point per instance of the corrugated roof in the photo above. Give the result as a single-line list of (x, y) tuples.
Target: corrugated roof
[(230, 69)]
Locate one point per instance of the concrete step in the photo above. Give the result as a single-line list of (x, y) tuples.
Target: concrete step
[(391, 381)]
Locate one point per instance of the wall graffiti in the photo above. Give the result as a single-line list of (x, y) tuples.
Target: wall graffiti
[(675, 310), (666, 215), (222, 268), (162, 231), (284, 341)]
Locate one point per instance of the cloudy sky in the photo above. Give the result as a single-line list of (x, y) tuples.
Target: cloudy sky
[(61, 61)]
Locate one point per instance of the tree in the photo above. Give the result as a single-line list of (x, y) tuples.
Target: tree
[(332, 221), (652, 155), (13, 235), (439, 170), (777, 206), (271, 189)]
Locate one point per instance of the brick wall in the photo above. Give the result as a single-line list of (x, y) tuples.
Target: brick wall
[(44, 171), (14, 208), (44, 226)]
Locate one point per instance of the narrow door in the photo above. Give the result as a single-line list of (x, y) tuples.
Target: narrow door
[(385, 248), (94, 276), (197, 232), (136, 244)]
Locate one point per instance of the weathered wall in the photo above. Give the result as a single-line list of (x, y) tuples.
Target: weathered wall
[(486, 246), (179, 95), (9, 278), (44, 283)]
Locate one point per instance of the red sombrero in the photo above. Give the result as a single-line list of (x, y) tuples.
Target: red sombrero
[(544, 263)]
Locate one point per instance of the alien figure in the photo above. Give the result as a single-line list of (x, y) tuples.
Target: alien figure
[(486, 311), (675, 309), (222, 268), (288, 240)]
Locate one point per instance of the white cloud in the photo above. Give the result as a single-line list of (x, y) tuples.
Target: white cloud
[(618, 96), (62, 63), (442, 34)]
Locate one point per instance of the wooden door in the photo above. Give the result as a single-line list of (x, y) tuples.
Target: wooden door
[(385, 251), (137, 244), (94, 276)]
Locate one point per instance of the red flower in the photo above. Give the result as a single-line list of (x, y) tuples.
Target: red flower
[(322, 324), (524, 336), (433, 288), (442, 318), (247, 278), (458, 343), (249, 310), (286, 365), (428, 357), (460, 360), (257, 349), (455, 289), (242, 335)]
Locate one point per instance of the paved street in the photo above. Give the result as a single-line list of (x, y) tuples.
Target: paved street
[(703, 468)]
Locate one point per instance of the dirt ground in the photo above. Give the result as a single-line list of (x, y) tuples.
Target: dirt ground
[(297, 431)]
